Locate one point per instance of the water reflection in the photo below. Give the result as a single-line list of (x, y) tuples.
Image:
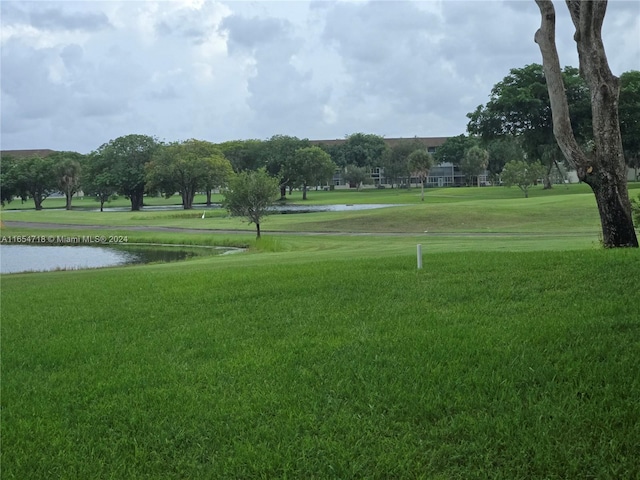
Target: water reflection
[(36, 258)]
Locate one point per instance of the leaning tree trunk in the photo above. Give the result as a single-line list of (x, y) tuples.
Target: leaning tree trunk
[(603, 169)]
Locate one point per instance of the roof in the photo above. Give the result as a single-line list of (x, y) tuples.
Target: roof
[(43, 152), (391, 142)]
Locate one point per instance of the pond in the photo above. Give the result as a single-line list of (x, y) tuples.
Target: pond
[(286, 208), (36, 258)]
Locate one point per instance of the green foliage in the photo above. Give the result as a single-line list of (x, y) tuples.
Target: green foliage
[(454, 148), (420, 162), (244, 154), (312, 166), (635, 207), (501, 151), (187, 168), (395, 160), (519, 106), (8, 188), (475, 160), (68, 171), (127, 157), (98, 179), (250, 195), (356, 176), (522, 174), (629, 114), (363, 150), (32, 177)]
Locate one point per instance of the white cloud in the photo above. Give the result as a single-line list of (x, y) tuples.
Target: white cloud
[(77, 74)]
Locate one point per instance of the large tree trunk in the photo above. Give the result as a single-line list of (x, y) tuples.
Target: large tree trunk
[(208, 197), (137, 198), (69, 196), (257, 230), (37, 201), (603, 169)]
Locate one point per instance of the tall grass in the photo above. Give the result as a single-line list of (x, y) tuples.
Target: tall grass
[(481, 365)]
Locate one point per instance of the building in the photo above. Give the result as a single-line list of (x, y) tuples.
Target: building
[(445, 174)]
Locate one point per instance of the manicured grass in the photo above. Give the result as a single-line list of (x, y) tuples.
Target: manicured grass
[(492, 209), (481, 365), (329, 355)]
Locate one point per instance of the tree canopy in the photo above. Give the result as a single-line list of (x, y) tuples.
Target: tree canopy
[(363, 149), (475, 160), (312, 165), (521, 174), (395, 160), (454, 148), (186, 167), (68, 170), (629, 112), (251, 194), (519, 106), (419, 163), (127, 156)]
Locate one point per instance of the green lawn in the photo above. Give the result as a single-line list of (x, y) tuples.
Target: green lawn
[(510, 356)]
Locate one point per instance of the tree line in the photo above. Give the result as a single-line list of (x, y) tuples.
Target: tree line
[(136, 165), (511, 137)]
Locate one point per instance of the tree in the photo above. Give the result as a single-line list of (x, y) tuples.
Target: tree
[(363, 149), (186, 167), (98, 180), (501, 151), (244, 154), (127, 156), (8, 188), (336, 151), (251, 194), (522, 174), (629, 111), (475, 160), (312, 165), (454, 148), (395, 159), (280, 152), (68, 172), (356, 176), (33, 177), (420, 162), (602, 167), (519, 107), (217, 175)]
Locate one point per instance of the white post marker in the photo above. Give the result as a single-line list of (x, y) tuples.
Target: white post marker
[(419, 256)]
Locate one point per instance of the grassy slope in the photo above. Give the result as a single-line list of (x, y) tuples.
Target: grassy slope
[(501, 365), (445, 210), (331, 357)]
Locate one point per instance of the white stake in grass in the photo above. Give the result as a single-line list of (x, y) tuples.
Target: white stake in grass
[(419, 256)]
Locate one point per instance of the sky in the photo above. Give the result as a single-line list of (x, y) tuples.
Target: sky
[(76, 74)]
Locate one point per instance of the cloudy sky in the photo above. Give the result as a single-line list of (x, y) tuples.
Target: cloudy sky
[(76, 74)]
